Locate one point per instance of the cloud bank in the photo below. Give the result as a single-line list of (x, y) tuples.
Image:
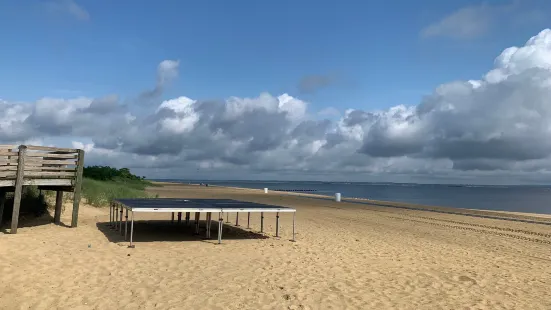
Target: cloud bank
[(498, 126)]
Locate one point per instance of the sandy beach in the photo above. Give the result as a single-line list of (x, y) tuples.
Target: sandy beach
[(347, 256)]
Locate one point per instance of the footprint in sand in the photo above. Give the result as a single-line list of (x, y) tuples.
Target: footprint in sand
[(467, 280)]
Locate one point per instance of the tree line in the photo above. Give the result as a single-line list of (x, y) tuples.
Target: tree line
[(106, 173)]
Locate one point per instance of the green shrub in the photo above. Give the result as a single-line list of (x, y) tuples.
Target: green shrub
[(101, 193), (102, 184), (33, 204)]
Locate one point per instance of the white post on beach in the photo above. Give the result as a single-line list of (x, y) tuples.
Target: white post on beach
[(131, 228), (111, 214), (265, 190), (126, 225), (338, 197), (220, 225)]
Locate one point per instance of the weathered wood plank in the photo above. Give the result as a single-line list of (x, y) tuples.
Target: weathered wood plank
[(78, 186), (39, 182), (37, 174), (8, 147), (49, 148), (18, 190), (6, 153), (53, 156), (8, 174), (5, 160), (34, 161), (6, 183), (45, 168), (8, 168)]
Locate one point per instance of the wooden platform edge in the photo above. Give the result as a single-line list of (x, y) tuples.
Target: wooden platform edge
[(59, 178)]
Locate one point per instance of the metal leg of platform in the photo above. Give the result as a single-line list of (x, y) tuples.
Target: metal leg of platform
[(126, 225), (172, 217), (197, 218), (120, 223), (249, 220), (116, 216), (220, 225), (261, 222), (294, 216), (236, 218), (187, 217), (277, 224), (209, 222), (131, 229), (179, 217)]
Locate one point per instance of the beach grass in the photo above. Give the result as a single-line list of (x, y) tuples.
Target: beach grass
[(100, 193)]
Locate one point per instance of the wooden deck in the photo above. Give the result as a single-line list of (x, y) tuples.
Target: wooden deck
[(48, 168)]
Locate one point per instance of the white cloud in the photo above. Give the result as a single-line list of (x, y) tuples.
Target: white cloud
[(499, 125), (167, 71)]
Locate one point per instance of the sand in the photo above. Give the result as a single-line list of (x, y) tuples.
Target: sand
[(347, 256)]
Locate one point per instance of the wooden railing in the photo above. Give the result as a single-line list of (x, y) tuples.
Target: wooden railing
[(50, 168), (8, 161)]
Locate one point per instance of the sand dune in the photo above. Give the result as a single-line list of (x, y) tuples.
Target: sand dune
[(347, 256)]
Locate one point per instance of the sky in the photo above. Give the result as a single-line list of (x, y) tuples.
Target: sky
[(390, 91)]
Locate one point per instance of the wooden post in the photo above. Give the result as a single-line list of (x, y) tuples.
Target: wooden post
[(78, 186), (18, 188), (2, 202), (58, 205)]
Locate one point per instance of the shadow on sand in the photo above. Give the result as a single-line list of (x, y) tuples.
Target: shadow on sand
[(163, 230), (29, 220), (33, 212)]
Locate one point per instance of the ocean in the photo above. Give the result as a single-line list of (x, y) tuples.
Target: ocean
[(531, 199)]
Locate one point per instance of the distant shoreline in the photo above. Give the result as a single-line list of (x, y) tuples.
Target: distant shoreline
[(496, 214), (363, 183)]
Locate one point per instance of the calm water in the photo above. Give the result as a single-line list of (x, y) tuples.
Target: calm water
[(535, 199)]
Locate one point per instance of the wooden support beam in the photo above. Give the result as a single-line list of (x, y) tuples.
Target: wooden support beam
[(58, 205), (18, 189), (78, 186)]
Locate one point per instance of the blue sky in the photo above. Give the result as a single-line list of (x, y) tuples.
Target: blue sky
[(373, 49), (456, 87)]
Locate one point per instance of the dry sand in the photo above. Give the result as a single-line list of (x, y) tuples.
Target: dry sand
[(347, 256)]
